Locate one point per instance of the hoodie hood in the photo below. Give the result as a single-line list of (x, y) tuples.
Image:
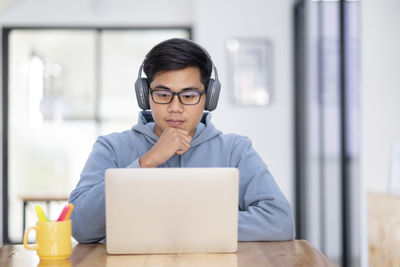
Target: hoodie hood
[(205, 130)]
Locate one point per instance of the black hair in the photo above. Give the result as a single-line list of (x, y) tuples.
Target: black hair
[(175, 54)]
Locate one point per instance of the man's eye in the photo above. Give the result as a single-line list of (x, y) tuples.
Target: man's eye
[(162, 94), (189, 95)]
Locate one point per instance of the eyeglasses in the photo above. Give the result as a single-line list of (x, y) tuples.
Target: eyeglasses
[(186, 97)]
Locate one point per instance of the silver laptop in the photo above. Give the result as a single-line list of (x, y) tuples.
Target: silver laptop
[(171, 210)]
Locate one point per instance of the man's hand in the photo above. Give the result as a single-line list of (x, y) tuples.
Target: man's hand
[(172, 141)]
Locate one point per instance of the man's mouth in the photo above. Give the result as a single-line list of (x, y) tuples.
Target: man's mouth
[(175, 123)]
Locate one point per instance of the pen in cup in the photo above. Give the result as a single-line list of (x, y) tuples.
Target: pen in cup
[(69, 211), (64, 216), (66, 212), (41, 215), (63, 213)]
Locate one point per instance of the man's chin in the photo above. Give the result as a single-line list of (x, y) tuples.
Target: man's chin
[(159, 130)]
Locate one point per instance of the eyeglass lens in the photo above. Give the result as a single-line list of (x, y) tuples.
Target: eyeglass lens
[(185, 97)]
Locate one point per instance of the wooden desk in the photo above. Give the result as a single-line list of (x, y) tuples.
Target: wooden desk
[(289, 253)]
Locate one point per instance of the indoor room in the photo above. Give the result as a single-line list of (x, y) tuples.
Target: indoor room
[(313, 85)]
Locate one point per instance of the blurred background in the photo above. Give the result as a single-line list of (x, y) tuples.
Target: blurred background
[(314, 84)]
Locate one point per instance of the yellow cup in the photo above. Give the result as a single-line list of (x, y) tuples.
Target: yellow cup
[(55, 263), (53, 240)]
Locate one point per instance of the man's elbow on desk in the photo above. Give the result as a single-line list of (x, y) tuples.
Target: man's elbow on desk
[(265, 228), (87, 226), (287, 232), (84, 233)]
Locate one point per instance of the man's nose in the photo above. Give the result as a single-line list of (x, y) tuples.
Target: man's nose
[(175, 105)]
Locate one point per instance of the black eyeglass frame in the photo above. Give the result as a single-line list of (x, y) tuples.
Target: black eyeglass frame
[(177, 94)]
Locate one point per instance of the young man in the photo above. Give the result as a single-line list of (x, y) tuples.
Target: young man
[(178, 133)]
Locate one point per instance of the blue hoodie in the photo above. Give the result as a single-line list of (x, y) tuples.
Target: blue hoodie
[(264, 212)]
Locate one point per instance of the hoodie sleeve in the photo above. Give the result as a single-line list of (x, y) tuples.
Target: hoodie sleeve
[(88, 218), (264, 212)]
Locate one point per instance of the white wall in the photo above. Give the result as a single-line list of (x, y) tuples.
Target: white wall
[(380, 96), (271, 127), (99, 13)]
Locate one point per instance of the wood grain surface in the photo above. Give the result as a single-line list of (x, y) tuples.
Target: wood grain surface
[(383, 230), (288, 253)]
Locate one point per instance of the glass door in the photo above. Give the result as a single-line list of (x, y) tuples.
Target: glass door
[(328, 185)]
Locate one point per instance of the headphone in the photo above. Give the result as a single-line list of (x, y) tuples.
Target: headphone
[(212, 90)]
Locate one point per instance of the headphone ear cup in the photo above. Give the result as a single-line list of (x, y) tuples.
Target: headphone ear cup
[(142, 93), (213, 89), (146, 93)]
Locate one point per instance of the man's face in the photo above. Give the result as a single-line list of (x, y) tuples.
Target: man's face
[(175, 114)]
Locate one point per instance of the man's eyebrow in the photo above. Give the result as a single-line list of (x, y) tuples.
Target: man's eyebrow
[(161, 87), (192, 88)]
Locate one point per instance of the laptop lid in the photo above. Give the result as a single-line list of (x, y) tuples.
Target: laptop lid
[(171, 210)]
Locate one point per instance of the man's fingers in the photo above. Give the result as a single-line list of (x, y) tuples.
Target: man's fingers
[(180, 138), (186, 138), (181, 151), (186, 141), (184, 146), (182, 131)]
